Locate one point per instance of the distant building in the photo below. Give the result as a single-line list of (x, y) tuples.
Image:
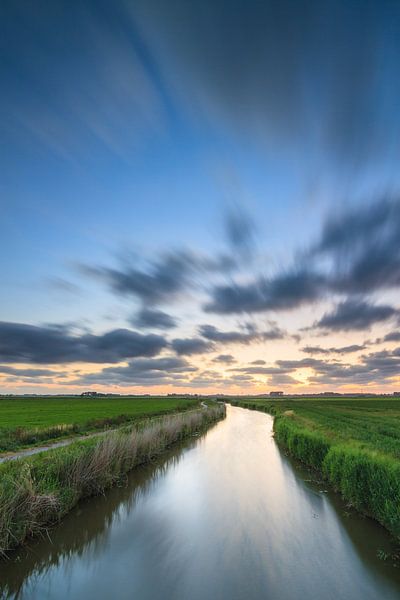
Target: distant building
[(92, 394), (276, 393)]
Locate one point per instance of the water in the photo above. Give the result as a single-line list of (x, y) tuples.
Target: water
[(227, 516)]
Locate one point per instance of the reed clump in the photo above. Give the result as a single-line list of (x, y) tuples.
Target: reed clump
[(38, 491)]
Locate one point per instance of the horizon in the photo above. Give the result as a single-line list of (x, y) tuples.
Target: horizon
[(200, 199)]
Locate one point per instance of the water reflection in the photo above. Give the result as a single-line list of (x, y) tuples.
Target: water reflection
[(85, 531), (226, 516)]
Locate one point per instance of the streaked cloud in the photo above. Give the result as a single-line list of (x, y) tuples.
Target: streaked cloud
[(23, 343)]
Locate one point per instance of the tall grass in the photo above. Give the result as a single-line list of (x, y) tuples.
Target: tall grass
[(40, 490)]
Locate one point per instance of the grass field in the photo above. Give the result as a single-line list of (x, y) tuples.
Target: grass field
[(354, 443), (26, 421)]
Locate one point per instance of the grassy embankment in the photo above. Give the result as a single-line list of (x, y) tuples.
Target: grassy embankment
[(39, 490), (31, 421), (353, 443)]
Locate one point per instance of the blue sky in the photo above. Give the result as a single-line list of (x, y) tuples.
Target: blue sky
[(206, 161)]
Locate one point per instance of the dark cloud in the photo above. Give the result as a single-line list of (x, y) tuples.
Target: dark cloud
[(20, 372), (304, 363), (149, 318), (346, 231), (32, 344), (156, 282), (259, 361), (362, 245), (357, 254), (285, 291), (333, 350), (214, 334), (315, 350), (393, 336), (210, 332), (141, 371), (162, 279), (356, 315), (189, 346), (226, 359)]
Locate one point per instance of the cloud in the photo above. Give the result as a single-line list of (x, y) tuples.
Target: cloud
[(48, 345), (210, 332), (362, 246), (378, 368), (149, 318), (259, 361), (20, 372), (393, 336), (159, 281), (141, 371), (356, 315), (357, 254), (189, 346), (282, 292), (226, 359), (282, 379), (333, 350)]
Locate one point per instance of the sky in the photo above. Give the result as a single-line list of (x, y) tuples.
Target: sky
[(200, 197)]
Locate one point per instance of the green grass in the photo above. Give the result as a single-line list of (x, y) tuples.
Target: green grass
[(28, 421), (354, 443)]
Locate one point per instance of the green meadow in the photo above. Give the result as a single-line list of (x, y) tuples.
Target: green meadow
[(353, 442), (26, 421)]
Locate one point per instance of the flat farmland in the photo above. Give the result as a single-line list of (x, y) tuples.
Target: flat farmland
[(25, 421)]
